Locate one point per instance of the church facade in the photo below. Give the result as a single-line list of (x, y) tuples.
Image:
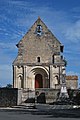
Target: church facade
[(39, 63)]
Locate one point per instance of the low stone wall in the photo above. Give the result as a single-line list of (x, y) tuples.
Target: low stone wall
[(50, 94), (9, 97)]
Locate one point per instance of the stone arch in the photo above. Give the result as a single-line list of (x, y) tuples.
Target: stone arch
[(20, 80), (36, 72), (44, 68), (57, 81)]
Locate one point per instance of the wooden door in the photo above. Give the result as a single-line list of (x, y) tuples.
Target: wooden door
[(38, 81)]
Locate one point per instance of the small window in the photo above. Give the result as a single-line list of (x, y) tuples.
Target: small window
[(38, 59), (61, 48), (57, 78), (53, 59)]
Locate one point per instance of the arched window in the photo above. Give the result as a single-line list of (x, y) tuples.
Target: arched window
[(57, 78), (21, 80), (38, 59)]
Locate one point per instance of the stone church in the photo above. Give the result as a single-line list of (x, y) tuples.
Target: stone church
[(39, 63)]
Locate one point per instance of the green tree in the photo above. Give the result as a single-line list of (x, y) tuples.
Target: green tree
[(8, 86)]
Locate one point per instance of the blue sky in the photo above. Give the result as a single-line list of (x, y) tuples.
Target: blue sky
[(61, 16)]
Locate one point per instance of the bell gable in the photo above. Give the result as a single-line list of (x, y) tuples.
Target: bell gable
[(38, 45)]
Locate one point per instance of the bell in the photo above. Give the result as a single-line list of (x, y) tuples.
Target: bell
[(39, 29)]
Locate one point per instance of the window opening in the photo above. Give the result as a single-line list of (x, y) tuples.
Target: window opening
[(39, 30), (38, 59), (53, 58)]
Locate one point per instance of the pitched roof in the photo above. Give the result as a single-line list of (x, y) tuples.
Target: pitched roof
[(72, 77), (40, 22)]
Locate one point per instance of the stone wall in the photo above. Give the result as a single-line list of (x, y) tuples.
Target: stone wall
[(38, 54), (9, 97), (72, 82), (33, 46), (50, 94)]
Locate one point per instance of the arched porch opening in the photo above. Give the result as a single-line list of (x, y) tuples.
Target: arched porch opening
[(40, 77), (38, 81)]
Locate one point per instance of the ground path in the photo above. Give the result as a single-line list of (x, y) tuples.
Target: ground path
[(34, 114)]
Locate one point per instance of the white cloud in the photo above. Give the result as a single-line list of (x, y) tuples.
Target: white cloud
[(9, 46), (8, 52), (58, 20), (73, 73), (72, 32), (76, 9), (25, 13), (5, 67), (5, 74)]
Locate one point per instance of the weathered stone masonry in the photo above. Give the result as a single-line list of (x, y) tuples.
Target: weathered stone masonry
[(39, 63)]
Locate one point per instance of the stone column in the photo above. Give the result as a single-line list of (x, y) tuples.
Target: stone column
[(14, 77), (60, 74), (33, 82), (24, 78), (51, 75)]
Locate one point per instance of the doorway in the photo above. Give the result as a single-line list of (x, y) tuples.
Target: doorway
[(38, 81)]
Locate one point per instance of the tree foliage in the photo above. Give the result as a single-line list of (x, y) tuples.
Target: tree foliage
[(8, 86)]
